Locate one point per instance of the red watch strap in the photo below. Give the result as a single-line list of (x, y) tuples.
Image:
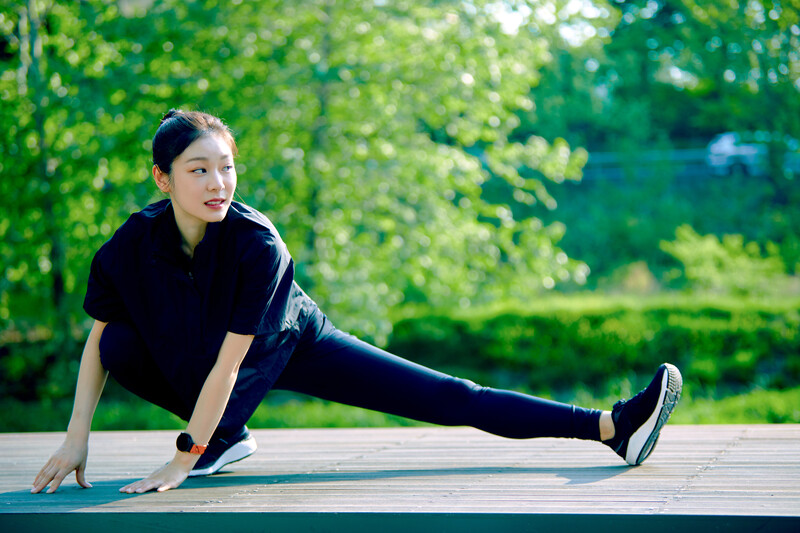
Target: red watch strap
[(197, 449)]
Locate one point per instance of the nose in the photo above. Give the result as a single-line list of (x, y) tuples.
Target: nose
[(215, 181)]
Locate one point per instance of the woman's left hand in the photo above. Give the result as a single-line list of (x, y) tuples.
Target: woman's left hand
[(169, 476)]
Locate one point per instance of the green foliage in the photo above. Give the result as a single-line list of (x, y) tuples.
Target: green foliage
[(729, 265), (682, 70), (366, 133), (673, 74), (550, 347), (408, 152), (616, 225), (755, 407), (721, 346), (43, 369)]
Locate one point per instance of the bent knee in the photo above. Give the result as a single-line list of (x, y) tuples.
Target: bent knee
[(120, 344)]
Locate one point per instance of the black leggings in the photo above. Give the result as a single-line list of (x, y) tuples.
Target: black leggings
[(336, 366)]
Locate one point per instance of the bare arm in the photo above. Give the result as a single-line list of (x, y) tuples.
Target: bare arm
[(217, 389), (206, 415), (73, 452)]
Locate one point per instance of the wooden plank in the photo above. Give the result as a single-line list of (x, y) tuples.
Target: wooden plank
[(728, 472)]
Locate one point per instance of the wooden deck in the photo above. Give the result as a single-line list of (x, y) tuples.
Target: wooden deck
[(709, 478)]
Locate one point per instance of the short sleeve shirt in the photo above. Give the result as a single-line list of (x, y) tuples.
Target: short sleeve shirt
[(240, 279)]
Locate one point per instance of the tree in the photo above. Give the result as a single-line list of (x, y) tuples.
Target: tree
[(668, 74), (57, 94), (727, 66), (366, 132), (384, 123)]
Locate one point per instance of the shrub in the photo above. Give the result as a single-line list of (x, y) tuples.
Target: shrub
[(721, 346), (730, 265), (579, 342)]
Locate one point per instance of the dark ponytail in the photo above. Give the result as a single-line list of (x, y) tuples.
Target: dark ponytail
[(178, 129)]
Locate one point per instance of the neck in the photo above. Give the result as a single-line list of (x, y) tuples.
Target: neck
[(192, 232)]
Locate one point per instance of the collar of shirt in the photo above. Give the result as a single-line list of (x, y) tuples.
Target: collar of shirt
[(168, 243)]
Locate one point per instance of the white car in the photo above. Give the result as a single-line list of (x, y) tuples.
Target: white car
[(728, 154), (733, 153)]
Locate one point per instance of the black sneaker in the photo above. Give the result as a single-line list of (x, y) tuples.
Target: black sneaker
[(221, 452), (638, 421)]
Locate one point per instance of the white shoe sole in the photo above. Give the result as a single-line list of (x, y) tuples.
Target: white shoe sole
[(643, 440), (237, 452)]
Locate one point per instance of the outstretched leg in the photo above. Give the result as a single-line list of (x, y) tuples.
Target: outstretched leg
[(339, 367)]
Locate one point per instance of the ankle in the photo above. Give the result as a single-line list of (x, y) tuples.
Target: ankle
[(607, 429)]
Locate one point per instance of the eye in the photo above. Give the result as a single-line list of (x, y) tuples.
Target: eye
[(198, 171), (227, 168)]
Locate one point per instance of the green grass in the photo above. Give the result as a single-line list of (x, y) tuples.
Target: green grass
[(755, 407), (285, 411)]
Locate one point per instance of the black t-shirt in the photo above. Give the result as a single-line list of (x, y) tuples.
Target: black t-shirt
[(241, 279)]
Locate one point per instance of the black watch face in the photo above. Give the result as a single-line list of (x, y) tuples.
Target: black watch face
[(184, 442)]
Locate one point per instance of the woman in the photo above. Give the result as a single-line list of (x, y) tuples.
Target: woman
[(196, 310)]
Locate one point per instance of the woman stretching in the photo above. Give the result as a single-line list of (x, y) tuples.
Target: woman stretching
[(196, 310)]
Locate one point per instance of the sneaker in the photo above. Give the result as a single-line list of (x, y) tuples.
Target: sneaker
[(638, 421), (221, 452)]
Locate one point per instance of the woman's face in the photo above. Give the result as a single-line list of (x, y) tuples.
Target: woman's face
[(203, 181)]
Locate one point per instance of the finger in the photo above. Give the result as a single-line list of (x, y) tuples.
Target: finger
[(43, 473), (42, 483), (59, 477), (38, 484), (47, 465), (38, 488), (134, 487), (146, 487), (79, 477), (130, 487), (42, 480), (39, 476)]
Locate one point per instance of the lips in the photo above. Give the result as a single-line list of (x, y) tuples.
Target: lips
[(215, 202)]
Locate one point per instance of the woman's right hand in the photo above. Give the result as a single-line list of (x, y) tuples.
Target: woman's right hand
[(67, 458)]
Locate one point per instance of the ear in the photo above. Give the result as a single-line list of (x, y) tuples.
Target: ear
[(161, 179)]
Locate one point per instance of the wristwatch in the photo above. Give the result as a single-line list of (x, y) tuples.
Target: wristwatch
[(186, 444)]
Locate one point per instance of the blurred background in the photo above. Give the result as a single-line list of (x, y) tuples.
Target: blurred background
[(551, 196)]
